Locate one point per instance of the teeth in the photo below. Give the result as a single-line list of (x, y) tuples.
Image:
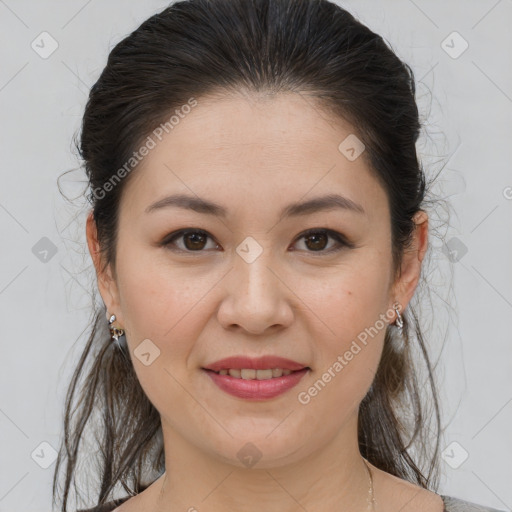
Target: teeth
[(251, 374)]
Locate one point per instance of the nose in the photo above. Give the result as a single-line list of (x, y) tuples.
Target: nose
[(256, 297)]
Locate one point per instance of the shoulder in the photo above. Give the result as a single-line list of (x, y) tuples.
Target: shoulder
[(458, 505), (106, 507), (395, 490)]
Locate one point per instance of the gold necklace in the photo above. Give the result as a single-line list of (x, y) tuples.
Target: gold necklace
[(370, 500)]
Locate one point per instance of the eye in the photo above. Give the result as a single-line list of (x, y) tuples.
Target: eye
[(195, 240), (316, 240)]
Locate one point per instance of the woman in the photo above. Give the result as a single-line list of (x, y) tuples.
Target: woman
[(258, 232)]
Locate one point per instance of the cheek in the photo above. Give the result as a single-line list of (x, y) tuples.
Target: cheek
[(347, 301), (346, 361), (348, 311), (163, 303)]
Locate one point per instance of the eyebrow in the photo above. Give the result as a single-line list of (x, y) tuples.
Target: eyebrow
[(329, 202)]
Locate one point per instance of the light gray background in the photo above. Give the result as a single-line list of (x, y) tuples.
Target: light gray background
[(466, 103)]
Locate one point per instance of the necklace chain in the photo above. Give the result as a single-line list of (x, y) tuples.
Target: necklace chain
[(371, 497)]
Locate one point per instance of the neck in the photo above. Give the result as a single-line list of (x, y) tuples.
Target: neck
[(332, 477)]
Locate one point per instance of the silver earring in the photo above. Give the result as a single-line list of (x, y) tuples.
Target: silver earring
[(399, 320), (115, 332)]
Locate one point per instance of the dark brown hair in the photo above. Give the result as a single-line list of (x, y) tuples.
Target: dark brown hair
[(193, 48)]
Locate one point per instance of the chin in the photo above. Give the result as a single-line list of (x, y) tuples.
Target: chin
[(260, 452)]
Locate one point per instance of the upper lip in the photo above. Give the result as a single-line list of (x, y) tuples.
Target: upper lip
[(256, 363)]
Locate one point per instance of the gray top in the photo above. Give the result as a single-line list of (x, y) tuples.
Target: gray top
[(451, 504)]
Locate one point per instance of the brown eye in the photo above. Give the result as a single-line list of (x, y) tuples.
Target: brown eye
[(193, 240), (317, 240)]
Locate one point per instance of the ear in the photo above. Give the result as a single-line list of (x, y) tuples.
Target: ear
[(404, 287), (106, 282)]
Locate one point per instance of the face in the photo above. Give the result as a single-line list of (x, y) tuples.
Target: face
[(251, 282)]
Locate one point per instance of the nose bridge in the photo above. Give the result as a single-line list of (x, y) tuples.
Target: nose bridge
[(253, 277), (254, 298)]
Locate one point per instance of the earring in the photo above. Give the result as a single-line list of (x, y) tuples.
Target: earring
[(399, 320), (115, 332)]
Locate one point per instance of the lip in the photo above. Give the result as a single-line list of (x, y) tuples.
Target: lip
[(256, 389), (255, 363)]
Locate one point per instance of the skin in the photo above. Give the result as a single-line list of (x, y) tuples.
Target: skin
[(254, 155)]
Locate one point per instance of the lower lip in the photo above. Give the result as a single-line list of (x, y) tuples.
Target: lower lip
[(256, 389)]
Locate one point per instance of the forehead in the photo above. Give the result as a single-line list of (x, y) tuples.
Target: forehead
[(245, 149)]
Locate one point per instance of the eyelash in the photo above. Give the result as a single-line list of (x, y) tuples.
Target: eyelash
[(342, 241)]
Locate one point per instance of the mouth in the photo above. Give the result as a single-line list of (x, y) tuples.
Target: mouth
[(253, 374), (256, 385), (245, 364), (256, 378)]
